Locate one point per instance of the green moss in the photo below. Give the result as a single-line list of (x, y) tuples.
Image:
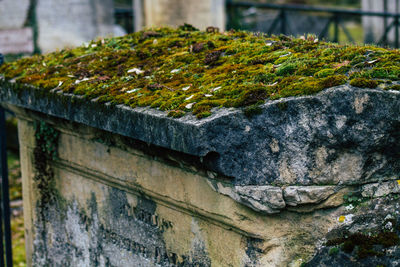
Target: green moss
[(394, 87), (176, 113), (14, 176), (325, 73), (46, 139), (252, 110), (282, 106), (363, 83), (333, 80), (333, 251), (365, 243), (286, 69), (185, 70)]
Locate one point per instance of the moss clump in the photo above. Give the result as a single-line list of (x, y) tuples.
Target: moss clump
[(252, 110), (334, 80), (392, 73), (185, 70), (394, 87), (365, 243), (363, 83), (286, 69), (176, 113), (333, 251), (325, 73)]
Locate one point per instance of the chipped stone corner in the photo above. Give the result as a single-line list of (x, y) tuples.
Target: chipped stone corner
[(274, 199)]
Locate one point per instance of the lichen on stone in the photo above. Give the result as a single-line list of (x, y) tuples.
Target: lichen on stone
[(185, 70)]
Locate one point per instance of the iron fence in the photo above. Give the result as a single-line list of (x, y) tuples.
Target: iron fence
[(334, 18), (5, 226)]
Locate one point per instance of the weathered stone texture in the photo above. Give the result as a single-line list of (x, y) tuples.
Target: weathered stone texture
[(13, 14), (341, 136), (297, 195), (381, 189), (70, 23), (223, 191), (117, 205)]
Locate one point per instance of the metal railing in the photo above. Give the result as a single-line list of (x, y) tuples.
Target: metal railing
[(5, 214), (335, 18), (5, 226)]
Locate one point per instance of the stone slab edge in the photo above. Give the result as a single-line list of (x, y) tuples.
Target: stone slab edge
[(250, 150)]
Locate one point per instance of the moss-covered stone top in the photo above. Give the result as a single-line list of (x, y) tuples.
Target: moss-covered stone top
[(185, 70)]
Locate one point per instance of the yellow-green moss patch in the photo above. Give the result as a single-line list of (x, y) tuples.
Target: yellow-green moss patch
[(184, 70), (363, 83)]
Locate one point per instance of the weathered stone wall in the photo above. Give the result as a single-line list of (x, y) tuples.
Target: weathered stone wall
[(200, 14), (112, 200), (115, 204)]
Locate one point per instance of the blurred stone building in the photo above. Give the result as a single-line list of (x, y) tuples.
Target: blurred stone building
[(374, 27), (200, 14), (53, 24), (48, 25)]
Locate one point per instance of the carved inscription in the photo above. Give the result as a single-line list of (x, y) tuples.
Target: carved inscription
[(157, 254), (151, 219)]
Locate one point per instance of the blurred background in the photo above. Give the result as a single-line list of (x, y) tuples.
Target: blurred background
[(40, 26)]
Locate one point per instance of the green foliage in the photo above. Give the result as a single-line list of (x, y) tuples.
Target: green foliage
[(47, 138), (18, 244), (14, 176), (353, 198), (333, 251)]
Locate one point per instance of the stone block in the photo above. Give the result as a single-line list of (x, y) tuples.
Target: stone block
[(112, 184)]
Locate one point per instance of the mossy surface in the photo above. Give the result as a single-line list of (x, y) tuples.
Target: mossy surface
[(366, 244), (185, 70), (363, 83)]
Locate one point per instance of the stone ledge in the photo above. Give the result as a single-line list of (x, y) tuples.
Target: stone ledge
[(327, 138)]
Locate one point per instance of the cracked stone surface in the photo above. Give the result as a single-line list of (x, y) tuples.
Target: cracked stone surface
[(298, 195), (266, 199), (381, 189)]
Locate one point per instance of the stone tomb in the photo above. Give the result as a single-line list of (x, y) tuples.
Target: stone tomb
[(115, 186)]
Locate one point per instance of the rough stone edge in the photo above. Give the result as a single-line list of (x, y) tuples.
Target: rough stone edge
[(187, 134)]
